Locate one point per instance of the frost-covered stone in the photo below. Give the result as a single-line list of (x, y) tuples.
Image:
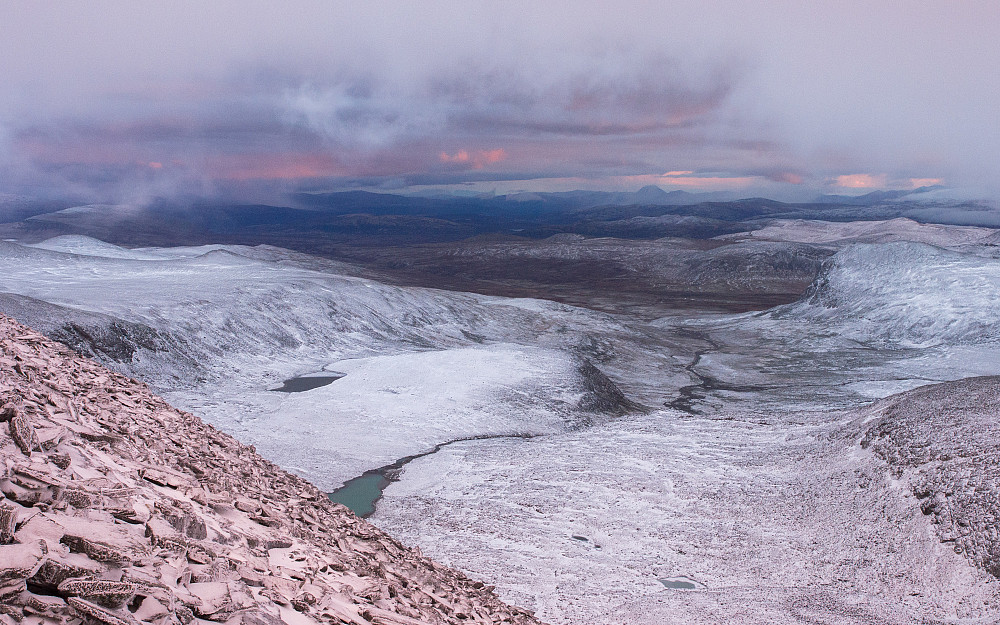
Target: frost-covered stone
[(108, 593), (945, 440), (137, 515), (23, 433), (18, 562), (101, 614), (8, 523)]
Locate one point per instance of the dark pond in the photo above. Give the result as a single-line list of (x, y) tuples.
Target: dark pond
[(307, 383), (681, 583)]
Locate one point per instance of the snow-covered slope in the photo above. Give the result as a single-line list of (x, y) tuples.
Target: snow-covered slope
[(907, 294), (887, 231), (215, 327), (87, 246), (769, 510), (251, 309)]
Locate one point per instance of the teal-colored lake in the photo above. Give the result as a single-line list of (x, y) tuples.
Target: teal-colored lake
[(361, 493)]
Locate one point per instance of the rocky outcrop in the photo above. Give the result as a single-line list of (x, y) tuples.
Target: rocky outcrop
[(94, 335), (602, 394), (944, 439), (117, 508)]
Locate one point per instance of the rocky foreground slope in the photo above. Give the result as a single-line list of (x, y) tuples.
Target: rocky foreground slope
[(944, 440), (117, 508)]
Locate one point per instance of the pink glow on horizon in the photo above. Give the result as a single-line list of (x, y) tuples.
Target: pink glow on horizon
[(916, 183), (274, 167), (694, 182), (478, 159), (861, 181)]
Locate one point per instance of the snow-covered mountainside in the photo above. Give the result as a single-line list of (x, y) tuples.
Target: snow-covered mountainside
[(217, 327), (905, 294), (742, 495), (734, 519), (886, 231), (118, 509)]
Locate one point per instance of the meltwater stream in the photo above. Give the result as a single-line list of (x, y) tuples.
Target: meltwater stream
[(360, 494)]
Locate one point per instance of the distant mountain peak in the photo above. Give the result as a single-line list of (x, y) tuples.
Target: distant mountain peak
[(651, 191)]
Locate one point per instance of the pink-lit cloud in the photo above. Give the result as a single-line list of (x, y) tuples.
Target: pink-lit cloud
[(916, 183), (861, 181), (754, 93), (477, 159)]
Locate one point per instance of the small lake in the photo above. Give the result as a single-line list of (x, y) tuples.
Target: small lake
[(307, 382), (678, 583), (360, 494)]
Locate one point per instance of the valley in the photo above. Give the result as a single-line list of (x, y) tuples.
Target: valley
[(700, 411), (506, 313)]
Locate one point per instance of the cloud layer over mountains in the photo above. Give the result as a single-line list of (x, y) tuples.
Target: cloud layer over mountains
[(121, 102)]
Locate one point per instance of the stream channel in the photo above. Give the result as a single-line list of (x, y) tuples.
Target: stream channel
[(360, 494)]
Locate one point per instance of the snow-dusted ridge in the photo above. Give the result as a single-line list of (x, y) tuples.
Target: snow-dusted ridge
[(906, 294), (215, 328), (885, 231)]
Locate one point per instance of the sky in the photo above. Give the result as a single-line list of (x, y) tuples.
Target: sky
[(125, 102)]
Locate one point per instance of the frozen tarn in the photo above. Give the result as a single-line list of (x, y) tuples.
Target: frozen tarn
[(388, 407)]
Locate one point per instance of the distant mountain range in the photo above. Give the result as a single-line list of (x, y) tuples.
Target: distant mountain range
[(875, 197), (657, 196), (321, 222)]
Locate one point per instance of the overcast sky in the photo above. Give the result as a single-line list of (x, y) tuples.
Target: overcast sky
[(125, 101)]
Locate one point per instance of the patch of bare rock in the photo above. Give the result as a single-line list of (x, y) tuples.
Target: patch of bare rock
[(117, 508), (944, 439)]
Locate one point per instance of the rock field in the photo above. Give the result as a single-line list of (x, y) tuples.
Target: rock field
[(944, 439), (117, 508)]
